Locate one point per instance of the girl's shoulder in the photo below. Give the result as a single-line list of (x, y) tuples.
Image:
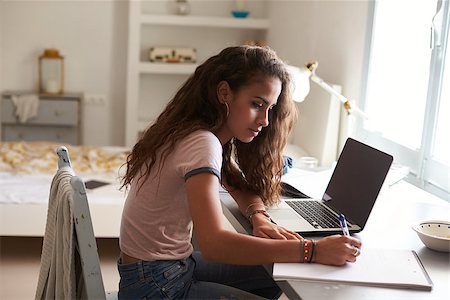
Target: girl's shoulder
[(202, 136), (199, 142), (199, 148)]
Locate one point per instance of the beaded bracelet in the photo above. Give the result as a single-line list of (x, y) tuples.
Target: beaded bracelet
[(258, 211), (307, 248), (305, 252), (253, 204)]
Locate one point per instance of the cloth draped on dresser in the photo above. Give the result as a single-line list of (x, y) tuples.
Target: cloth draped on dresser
[(26, 106)]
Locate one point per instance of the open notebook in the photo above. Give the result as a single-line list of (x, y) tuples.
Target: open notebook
[(374, 267)]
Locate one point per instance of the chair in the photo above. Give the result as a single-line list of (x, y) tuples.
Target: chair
[(70, 254)]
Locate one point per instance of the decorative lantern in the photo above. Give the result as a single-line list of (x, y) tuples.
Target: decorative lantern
[(51, 72)]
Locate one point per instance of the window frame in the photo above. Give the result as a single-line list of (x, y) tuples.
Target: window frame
[(426, 172)]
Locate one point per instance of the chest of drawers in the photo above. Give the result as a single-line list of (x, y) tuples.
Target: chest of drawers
[(58, 120)]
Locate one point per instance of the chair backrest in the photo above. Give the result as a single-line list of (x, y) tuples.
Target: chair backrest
[(86, 244), (90, 285)]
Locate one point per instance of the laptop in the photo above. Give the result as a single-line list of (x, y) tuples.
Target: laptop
[(352, 190)]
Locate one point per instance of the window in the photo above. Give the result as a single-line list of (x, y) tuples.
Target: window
[(407, 92)]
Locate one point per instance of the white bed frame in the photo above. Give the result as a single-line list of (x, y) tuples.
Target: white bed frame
[(30, 219)]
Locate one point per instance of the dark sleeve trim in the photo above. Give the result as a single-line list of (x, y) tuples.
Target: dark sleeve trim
[(202, 170)]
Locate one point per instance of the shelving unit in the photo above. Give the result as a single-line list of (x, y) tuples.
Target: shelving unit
[(209, 28)]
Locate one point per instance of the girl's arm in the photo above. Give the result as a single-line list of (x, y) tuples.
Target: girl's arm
[(250, 203), (219, 244)]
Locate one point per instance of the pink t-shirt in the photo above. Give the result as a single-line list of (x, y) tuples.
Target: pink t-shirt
[(156, 222)]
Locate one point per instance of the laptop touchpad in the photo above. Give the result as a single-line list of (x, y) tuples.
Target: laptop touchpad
[(289, 219), (284, 214)]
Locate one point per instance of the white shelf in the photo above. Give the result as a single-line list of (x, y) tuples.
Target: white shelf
[(166, 68), (202, 21), (150, 24)]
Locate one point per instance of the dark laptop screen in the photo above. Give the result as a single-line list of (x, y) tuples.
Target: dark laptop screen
[(357, 180)]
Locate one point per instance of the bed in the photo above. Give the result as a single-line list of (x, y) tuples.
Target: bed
[(26, 172)]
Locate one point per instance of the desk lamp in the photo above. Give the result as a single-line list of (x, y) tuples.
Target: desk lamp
[(300, 80)]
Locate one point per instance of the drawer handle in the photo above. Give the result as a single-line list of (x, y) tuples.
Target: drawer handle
[(58, 113)]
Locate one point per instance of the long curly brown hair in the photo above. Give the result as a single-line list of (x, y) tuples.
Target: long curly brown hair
[(196, 106)]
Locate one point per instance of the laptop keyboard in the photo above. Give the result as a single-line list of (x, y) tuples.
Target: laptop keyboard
[(316, 214)]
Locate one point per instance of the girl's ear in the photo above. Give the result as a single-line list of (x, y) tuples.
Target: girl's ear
[(223, 91)]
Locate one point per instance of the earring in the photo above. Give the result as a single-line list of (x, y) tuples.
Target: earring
[(228, 109)]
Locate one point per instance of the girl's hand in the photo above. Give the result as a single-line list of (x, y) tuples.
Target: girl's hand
[(262, 227), (336, 250)]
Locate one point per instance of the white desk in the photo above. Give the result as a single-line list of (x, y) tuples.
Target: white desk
[(389, 226)]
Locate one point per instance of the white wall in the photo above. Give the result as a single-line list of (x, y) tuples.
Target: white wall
[(1, 47), (331, 32), (91, 35)]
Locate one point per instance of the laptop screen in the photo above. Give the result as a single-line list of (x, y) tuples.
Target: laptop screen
[(356, 181)]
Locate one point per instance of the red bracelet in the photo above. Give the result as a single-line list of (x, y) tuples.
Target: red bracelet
[(305, 252)]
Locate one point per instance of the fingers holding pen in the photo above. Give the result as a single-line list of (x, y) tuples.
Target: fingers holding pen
[(353, 244), (353, 248), (351, 241), (337, 250)]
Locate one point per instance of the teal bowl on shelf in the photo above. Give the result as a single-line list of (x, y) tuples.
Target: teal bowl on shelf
[(240, 13)]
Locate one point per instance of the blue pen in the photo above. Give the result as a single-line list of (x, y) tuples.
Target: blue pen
[(343, 225)]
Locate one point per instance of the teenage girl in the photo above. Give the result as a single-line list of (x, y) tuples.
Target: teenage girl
[(226, 126)]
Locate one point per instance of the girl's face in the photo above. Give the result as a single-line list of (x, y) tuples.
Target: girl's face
[(248, 108)]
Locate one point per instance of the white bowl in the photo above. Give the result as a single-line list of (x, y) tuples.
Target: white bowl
[(435, 234)]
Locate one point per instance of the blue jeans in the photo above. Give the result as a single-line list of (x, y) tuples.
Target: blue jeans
[(194, 278)]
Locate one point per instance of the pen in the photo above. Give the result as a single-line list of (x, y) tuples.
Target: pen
[(343, 224)]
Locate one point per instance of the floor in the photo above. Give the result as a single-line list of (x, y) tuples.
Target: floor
[(20, 260)]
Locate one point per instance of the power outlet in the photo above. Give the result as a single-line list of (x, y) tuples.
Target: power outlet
[(95, 99)]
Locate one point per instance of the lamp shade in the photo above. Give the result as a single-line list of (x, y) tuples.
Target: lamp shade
[(299, 82), (300, 85)]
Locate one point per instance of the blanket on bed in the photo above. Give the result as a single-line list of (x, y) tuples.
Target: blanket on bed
[(39, 157), (33, 164)]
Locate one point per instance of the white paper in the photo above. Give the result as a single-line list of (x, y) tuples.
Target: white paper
[(374, 267)]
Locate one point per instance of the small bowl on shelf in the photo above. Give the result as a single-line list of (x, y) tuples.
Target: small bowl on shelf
[(240, 13), (435, 234)]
